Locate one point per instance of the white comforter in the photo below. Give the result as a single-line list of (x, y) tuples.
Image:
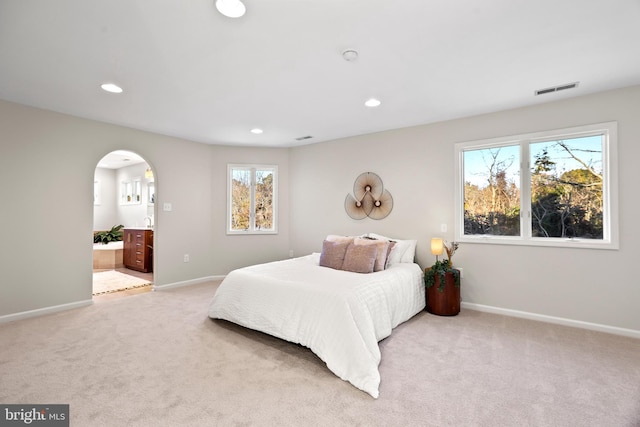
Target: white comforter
[(339, 315)]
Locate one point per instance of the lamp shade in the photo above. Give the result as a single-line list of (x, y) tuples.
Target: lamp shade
[(437, 246)]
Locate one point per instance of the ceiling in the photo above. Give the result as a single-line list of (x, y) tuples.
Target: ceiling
[(187, 71), (120, 159)]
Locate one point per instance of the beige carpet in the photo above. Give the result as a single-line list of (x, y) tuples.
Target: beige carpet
[(105, 282), (155, 359)]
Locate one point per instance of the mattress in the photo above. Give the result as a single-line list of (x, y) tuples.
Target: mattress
[(341, 316)]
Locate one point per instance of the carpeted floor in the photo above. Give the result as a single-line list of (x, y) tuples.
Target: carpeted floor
[(105, 282), (155, 359)]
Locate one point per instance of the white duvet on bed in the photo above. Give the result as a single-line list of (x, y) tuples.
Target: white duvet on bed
[(339, 315)]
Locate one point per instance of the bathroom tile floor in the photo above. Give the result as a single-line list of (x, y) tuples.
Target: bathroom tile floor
[(128, 292)]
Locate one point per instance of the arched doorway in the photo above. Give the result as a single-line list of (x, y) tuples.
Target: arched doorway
[(124, 215)]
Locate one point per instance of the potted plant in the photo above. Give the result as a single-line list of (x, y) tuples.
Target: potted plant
[(442, 282), (113, 235)]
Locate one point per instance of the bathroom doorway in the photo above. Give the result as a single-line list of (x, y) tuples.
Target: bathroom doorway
[(124, 212)]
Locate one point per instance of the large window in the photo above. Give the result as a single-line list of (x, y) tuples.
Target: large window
[(252, 199), (554, 188)]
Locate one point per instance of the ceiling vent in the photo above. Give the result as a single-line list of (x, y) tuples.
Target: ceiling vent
[(556, 88), (302, 138)]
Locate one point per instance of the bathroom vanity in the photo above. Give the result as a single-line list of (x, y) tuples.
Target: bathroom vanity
[(138, 249)]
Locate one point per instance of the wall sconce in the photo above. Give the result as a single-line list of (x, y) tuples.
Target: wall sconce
[(148, 174), (437, 247)]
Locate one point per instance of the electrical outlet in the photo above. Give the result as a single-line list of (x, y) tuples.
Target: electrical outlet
[(186, 257), (290, 253), (167, 207)]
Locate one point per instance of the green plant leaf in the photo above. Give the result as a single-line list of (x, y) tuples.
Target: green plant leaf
[(113, 235)]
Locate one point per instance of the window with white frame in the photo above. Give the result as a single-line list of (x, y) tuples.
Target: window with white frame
[(554, 188), (252, 199), (130, 191)]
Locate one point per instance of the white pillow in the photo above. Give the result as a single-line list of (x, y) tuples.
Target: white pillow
[(410, 254), (404, 250)]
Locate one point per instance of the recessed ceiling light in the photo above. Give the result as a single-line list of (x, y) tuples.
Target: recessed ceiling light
[(372, 102), (231, 8), (257, 131), (110, 87)]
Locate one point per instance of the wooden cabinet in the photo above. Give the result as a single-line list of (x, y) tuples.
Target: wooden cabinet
[(138, 249)]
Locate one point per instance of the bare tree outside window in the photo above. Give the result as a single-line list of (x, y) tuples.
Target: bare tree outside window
[(550, 188), (566, 188), (252, 199), (240, 199), (491, 191), (264, 200)]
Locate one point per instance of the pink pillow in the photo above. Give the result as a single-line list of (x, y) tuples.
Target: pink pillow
[(383, 251), (360, 258), (340, 239), (333, 253)]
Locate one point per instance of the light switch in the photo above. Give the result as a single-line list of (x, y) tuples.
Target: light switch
[(443, 228)]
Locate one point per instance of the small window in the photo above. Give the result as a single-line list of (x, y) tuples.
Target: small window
[(553, 188), (252, 199), (130, 192)]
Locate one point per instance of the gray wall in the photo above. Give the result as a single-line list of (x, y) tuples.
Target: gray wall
[(111, 212), (46, 259), (47, 165), (105, 215), (417, 166), (132, 215)]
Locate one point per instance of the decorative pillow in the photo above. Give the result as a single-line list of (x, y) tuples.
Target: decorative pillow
[(383, 248), (390, 248), (410, 253), (341, 239), (360, 258), (333, 253), (404, 250)]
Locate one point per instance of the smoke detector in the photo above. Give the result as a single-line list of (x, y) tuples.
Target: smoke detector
[(350, 55)]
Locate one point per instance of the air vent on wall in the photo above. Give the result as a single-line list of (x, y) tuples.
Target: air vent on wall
[(556, 88), (302, 138)]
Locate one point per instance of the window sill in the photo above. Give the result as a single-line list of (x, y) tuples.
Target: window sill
[(541, 242)]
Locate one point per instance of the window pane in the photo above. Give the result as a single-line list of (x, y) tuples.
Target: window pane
[(264, 200), (492, 191), (240, 198), (568, 197), (566, 188)]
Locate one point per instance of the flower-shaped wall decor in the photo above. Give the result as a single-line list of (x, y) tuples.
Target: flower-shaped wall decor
[(369, 198)]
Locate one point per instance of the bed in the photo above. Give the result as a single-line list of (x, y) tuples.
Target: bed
[(339, 315)]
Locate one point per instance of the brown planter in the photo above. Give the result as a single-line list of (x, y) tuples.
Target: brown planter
[(447, 302)]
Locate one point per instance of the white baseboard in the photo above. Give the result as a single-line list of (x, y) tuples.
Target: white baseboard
[(187, 283), (551, 319), (63, 307), (42, 311)]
